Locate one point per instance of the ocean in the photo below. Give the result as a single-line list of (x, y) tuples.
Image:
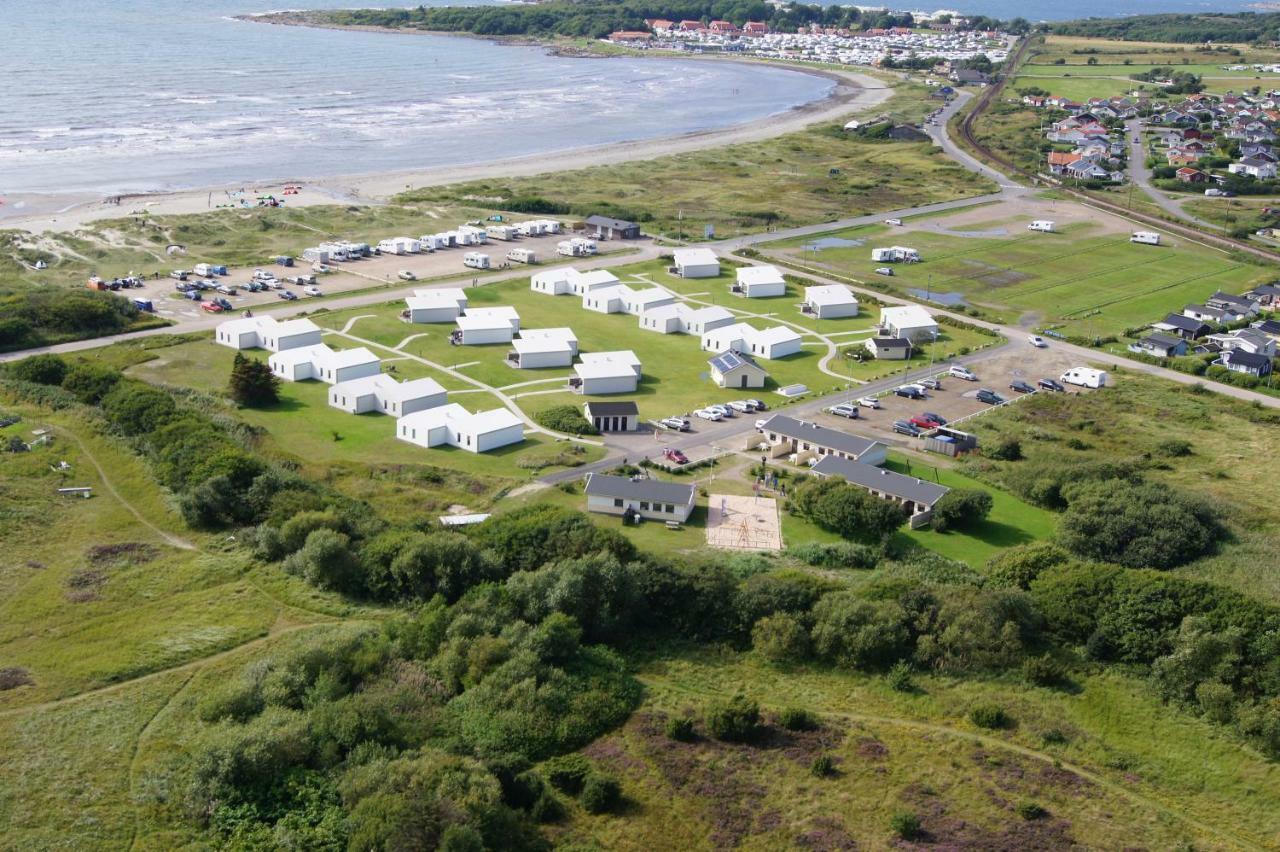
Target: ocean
[(151, 95)]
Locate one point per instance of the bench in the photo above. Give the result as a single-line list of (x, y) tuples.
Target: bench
[(673, 525)]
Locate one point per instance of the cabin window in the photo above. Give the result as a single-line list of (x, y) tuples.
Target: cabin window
[(617, 502), (644, 505), (671, 509)]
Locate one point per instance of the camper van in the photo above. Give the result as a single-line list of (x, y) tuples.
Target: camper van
[(1146, 238), (521, 255), (895, 254), (502, 232), (1041, 225), (1085, 377), (476, 260)]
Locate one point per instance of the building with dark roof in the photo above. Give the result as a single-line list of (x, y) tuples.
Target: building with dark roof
[(917, 496), (789, 436), (1239, 361), (1184, 327), (639, 497), (608, 228), (736, 370), (613, 416)]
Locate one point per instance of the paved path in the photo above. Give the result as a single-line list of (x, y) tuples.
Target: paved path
[(1140, 175)]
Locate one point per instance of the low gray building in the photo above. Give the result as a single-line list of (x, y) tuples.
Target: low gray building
[(613, 416), (639, 497), (787, 435), (607, 228), (917, 496)]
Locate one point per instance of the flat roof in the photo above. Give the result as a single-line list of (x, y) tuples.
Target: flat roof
[(830, 294), (301, 354), (349, 357), (459, 418), (594, 278), (441, 298), (504, 311), (822, 436), (617, 356), (530, 346), (562, 333), (878, 479), (763, 274), (603, 370), (605, 485), (695, 257), (613, 409), (910, 316), (777, 334), (651, 294), (479, 322), (294, 326)]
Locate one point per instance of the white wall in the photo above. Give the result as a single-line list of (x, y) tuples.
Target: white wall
[(619, 384), (513, 434)]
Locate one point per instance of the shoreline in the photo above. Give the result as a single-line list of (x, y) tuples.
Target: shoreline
[(61, 212)]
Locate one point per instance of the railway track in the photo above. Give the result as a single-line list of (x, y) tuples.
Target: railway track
[(993, 91)]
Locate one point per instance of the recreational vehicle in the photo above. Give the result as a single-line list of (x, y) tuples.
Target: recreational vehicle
[(506, 233), (522, 255), (1041, 225), (1146, 238), (476, 260), (1085, 377)]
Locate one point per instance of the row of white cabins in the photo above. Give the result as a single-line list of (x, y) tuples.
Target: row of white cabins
[(424, 416)]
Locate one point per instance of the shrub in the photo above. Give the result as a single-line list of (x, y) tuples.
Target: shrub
[(1138, 525), (1019, 566), (138, 409), (680, 729), (899, 677), (41, 369), (859, 633), (600, 793), (90, 382), (1004, 449), (567, 419), (905, 824), (780, 638), (1030, 810), (567, 772), (989, 716), (734, 720), (846, 509), (547, 809), (797, 719), (845, 554), (1043, 671), (823, 766), (1174, 448), (1054, 736), (961, 508)]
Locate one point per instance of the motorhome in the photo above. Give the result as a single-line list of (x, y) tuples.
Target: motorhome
[(506, 233), (1146, 238), (895, 254), (1085, 377), (577, 247), (1043, 225), (521, 255), (476, 260)]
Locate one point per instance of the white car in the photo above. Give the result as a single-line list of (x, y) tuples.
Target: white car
[(742, 405), (406, 275), (321, 267), (725, 411), (312, 291), (1037, 341), (869, 402), (759, 405), (708, 414), (760, 424), (844, 409), (274, 284), (678, 424), (893, 221), (962, 373)]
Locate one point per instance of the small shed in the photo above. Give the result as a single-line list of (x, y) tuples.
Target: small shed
[(613, 416), (889, 348), (696, 263), (759, 282), (950, 442)]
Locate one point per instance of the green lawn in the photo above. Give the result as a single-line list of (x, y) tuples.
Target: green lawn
[(1081, 281)]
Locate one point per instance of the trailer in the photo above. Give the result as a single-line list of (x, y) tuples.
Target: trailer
[(522, 255), (1085, 377), (476, 260), (1042, 225), (1146, 238), (895, 254), (472, 235), (315, 255), (506, 233), (144, 305), (284, 260), (532, 228), (204, 270)]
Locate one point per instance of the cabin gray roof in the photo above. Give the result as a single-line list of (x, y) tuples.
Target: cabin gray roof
[(1184, 322), (613, 409), (1245, 359), (609, 222), (789, 427), (1165, 340), (891, 342), (878, 479), (604, 485)]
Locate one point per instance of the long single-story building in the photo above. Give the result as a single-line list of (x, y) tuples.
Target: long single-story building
[(612, 416), (267, 332), (543, 347), (917, 496), (776, 342), (454, 426), (608, 228), (759, 282), (788, 436), (910, 321), (830, 301), (679, 318), (382, 394), (478, 326), (652, 499), (571, 282), (696, 263), (606, 373), (736, 370), (321, 362), (443, 305)]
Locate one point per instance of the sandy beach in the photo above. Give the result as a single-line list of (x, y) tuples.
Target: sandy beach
[(43, 213)]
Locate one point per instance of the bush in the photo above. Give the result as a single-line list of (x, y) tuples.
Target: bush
[(680, 729), (899, 677), (600, 793), (734, 720), (846, 509), (90, 382), (823, 766), (1138, 525), (859, 633), (1004, 449), (1019, 566), (845, 554), (567, 773), (138, 409), (1030, 810), (1043, 671), (961, 508), (41, 369), (780, 638), (567, 419), (990, 716), (905, 825), (547, 809), (798, 719)]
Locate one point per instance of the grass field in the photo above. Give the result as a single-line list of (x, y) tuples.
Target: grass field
[(1083, 281)]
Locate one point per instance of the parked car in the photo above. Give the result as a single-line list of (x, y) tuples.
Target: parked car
[(725, 411), (677, 424), (289, 297), (671, 454), (742, 405), (936, 418), (406, 275), (893, 221), (178, 274), (263, 275), (312, 291), (760, 424), (211, 307), (274, 284), (990, 397), (845, 409), (222, 303), (962, 373), (759, 404), (708, 414), (321, 268), (903, 427), (1052, 385), (1021, 387), (931, 384), (910, 391), (884, 270), (193, 294), (869, 402), (922, 422), (1037, 341), (226, 289)]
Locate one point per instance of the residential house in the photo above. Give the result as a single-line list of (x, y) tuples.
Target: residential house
[(480, 326), (889, 348), (759, 282), (608, 228), (445, 304), (1240, 361), (771, 343), (382, 394), (325, 364), (736, 370), (1241, 306), (1187, 174), (640, 497), (606, 373), (696, 263), (266, 332), (1183, 326), (788, 436), (917, 496), (909, 321), (452, 425), (1252, 340), (830, 301), (1254, 167), (612, 416), (538, 348), (1160, 346), (569, 281)]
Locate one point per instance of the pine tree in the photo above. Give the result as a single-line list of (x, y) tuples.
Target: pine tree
[(253, 383)]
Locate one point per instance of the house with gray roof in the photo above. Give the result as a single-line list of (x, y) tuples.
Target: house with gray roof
[(787, 436), (638, 497), (917, 496)]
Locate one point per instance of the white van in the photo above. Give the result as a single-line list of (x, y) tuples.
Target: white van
[(522, 255), (1043, 225), (476, 260), (1085, 377), (962, 373)]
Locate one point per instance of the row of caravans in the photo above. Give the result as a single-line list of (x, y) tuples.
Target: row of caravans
[(577, 247)]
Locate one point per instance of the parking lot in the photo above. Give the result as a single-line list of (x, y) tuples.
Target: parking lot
[(355, 275)]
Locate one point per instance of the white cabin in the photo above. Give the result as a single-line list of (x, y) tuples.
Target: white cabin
[(452, 425), (444, 304), (267, 332), (760, 282), (696, 263), (830, 301), (382, 394)]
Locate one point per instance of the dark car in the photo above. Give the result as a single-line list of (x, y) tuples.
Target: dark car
[(1021, 387), (903, 427), (990, 397), (289, 297), (1051, 385), (909, 392)]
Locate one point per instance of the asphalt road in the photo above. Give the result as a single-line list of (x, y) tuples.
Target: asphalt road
[(1140, 175)]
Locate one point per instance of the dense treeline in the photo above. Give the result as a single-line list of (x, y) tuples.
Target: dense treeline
[(1185, 29), (37, 317)]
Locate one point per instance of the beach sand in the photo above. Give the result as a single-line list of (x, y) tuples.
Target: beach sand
[(43, 213)]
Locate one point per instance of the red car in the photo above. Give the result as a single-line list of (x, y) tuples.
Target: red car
[(925, 422), (673, 455), (211, 307)]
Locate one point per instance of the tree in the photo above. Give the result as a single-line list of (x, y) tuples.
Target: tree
[(326, 561), (846, 509), (734, 720), (961, 508), (90, 382), (1137, 525), (1019, 566), (41, 369), (138, 409), (780, 638), (252, 382), (860, 633)]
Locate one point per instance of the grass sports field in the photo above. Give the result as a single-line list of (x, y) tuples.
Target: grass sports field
[(1087, 280)]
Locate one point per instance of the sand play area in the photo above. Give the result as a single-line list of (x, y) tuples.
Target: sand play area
[(743, 523)]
